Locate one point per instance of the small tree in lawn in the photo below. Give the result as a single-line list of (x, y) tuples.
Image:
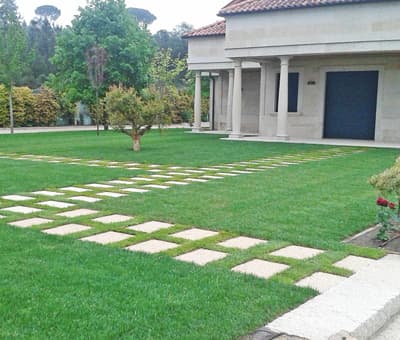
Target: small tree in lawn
[(128, 108)]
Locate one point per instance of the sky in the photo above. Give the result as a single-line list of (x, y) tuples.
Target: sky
[(169, 13)]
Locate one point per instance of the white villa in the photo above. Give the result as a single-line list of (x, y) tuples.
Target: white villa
[(302, 69)]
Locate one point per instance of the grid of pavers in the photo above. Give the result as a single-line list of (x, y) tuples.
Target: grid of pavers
[(168, 172), (57, 212), (242, 254)]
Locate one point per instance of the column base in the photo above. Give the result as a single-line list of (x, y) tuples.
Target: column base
[(235, 135), (196, 129), (282, 137)]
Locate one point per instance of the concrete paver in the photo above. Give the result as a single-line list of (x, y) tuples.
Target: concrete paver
[(152, 246), (201, 257), (260, 268), (22, 210), (107, 237), (66, 229)]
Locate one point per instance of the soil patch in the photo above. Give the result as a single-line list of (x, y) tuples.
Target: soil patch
[(368, 238)]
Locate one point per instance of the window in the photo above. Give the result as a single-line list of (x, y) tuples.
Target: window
[(293, 92)]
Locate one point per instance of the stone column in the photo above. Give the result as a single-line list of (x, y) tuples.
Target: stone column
[(281, 131), (237, 100), (263, 95), (211, 102), (230, 102), (197, 103)]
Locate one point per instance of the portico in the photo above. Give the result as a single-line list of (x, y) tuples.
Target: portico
[(302, 73)]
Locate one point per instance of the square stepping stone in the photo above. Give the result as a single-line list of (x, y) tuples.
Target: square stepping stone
[(260, 268), (155, 170), (152, 246), (211, 177), (195, 234), (195, 171), (242, 172), (66, 229), (176, 183), (111, 194), (22, 210), (161, 176), (155, 186), (175, 167), (48, 193), (31, 222), (227, 174), (201, 256), (177, 173), (150, 227), (99, 186), (354, 263), (142, 179), (107, 238), (113, 219), (132, 164), (57, 204), (1, 216), (75, 189), (242, 242), (135, 190), (121, 182), (85, 199), (297, 252), (17, 198), (208, 169), (78, 213), (196, 180), (321, 282)]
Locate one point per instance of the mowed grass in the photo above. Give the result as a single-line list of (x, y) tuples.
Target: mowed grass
[(24, 176), (61, 289), (64, 288), (172, 146), (316, 203)]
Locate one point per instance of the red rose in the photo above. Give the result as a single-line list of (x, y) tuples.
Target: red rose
[(392, 206), (382, 202)]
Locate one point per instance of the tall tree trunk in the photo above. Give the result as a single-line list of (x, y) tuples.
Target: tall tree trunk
[(11, 110), (136, 142), (97, 113)]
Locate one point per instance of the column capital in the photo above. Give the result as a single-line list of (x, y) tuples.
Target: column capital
[(285, 59), (237, 63)]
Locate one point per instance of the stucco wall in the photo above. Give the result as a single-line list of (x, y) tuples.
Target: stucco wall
[(332, 29)]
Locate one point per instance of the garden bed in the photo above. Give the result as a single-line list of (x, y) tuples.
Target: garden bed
[(368, 238)]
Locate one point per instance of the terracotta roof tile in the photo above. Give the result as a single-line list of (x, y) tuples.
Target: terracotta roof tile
[(250, 6), (218, 28)]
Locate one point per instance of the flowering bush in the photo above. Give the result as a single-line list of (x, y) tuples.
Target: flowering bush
[(387, 218)]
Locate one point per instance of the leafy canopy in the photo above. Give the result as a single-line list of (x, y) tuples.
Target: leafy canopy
[(13, 44), (107, 24)]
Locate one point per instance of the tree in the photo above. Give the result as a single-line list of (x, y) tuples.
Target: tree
[(96, 58), (143, 16), (107, 24), (41, 45), (48, 13), (126, 106), (173, 41), (12, 50)]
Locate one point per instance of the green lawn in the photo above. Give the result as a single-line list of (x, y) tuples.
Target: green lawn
[(171, 147), (63, 288)]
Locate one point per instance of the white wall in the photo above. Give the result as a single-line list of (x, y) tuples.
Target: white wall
[(332, 29)]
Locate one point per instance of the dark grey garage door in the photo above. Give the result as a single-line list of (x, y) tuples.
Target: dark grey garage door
[(350, 104)]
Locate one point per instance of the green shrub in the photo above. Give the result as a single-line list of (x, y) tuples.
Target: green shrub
[(46, 108)]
